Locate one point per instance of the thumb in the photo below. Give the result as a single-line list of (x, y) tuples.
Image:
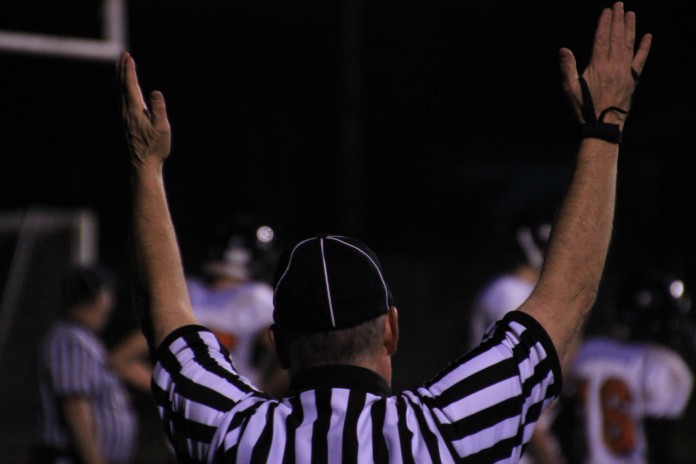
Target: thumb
[(158, 109), (568, 67)]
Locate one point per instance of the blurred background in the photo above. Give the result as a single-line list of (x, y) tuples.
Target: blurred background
[(423, 128)]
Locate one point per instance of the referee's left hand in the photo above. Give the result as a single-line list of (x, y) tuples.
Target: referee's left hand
[(609, 73)]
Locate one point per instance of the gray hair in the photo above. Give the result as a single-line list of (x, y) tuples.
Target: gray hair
[(299, 350)]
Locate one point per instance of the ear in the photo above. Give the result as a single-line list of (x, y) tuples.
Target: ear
[(391, 330), (275, 338)]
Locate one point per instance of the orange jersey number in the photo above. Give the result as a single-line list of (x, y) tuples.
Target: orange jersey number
[(618, 426)]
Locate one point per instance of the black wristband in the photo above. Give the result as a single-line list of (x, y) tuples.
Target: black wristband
[(596, 127), (601, 130)]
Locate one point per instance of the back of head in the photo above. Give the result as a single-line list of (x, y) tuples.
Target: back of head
[(655, 306), (330, 296), (81, 285)]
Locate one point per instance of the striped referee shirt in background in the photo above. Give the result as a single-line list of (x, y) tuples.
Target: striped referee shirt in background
[(74, 363), (481, 408)]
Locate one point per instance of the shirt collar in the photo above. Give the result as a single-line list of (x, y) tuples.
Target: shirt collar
[(339, 376)]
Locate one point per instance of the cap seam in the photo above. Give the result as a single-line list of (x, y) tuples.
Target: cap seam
[(374, 265), (326, 282), (287, 268)]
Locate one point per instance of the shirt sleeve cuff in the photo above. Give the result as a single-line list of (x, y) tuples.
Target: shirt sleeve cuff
[(177, 333), (537, 331)]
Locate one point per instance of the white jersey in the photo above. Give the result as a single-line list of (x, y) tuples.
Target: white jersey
[(502, 295), (235, 316), (617, 385)]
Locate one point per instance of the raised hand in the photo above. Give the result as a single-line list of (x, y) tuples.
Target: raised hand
[(147, 130), (611, 75)]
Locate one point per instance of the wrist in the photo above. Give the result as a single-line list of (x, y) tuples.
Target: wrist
[(146, 170), (601, 130), (607, 126)]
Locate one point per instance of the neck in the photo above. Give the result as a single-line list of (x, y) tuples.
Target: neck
[(379, 364), (339, 376), (87, 316), (224, 283)]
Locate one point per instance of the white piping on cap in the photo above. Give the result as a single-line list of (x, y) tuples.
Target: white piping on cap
[(384, 284), (287, 268), (326, 281)]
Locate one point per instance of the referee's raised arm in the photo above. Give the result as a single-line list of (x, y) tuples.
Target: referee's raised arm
[(162, 300), (601, 98)]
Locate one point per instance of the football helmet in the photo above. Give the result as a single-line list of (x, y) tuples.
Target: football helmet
[(244, 249), (532, 237), (656, 307)]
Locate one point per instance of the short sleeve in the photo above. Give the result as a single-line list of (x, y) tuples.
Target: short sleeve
[(668, 383), (195, 387), (488, 402)]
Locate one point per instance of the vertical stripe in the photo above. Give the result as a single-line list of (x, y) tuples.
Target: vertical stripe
[(405, 435), (250, 431), (263, 443), (428, 435), (379, 444), (293, 421), (303, 436), (320, 451), (240, 422), (339, 405), (356, 403), (364, 430), (279, 437)]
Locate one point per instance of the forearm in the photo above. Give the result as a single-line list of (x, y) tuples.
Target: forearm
[(83, 431), (161, 294), (579, 244)]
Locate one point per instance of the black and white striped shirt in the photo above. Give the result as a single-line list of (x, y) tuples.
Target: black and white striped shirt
[(73, 363), (481, 408)]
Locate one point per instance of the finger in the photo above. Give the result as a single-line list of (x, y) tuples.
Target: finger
[(134, 96), (121, 75), (641, 55), (618, 35), (600, 49), (568, 66), (117, 67), (630, 32), (159, 110), (122, 69)]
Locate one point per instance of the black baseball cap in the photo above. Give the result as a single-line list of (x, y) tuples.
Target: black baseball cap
[(329, 282)]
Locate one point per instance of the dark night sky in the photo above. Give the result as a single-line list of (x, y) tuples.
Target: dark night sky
[(458, 111)]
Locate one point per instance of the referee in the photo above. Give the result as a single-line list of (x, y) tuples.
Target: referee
[(86, 414), (336, 326)]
